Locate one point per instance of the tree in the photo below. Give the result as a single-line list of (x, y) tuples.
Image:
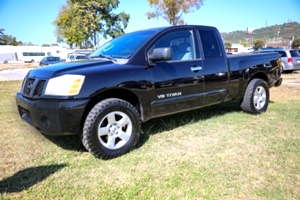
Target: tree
[(85, 22), (2, 36), (66, 25), (10, 40), (28, 44), (227, 45), (296, 43), (258, 44), (172, 10)]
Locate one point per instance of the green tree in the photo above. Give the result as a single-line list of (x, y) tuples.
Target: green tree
[(243, 43), (227, 45), (9, 40), (172, 10), (258, 44), (85, 22), (66, 30), (296, 43), (2, 36), (28, 44)]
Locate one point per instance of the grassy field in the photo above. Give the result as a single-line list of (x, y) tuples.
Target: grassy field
[(217, 152)]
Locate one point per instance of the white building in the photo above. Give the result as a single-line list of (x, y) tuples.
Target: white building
[(31, 53), (238, 48)]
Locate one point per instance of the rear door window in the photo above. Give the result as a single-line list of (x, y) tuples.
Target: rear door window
[(295, 53)]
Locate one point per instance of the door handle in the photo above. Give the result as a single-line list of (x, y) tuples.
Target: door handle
[(196, 68)]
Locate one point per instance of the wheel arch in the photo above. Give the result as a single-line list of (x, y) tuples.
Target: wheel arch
[(249, 104), (259, 75), (244, 85), (123, 94)]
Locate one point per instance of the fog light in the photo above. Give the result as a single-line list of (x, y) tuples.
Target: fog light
[(45, 122)]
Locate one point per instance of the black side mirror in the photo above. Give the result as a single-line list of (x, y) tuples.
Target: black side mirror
[(159, 54)]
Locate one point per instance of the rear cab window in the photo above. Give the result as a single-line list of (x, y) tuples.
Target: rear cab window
[(210, 45)]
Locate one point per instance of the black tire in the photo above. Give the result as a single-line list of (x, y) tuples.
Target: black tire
[(256, 97), (288, 71), (112, 128)]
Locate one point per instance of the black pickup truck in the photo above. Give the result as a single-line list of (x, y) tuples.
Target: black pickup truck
[(139, 76)]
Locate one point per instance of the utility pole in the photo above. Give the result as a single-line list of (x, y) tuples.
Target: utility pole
[(278, 33), (288, 29)]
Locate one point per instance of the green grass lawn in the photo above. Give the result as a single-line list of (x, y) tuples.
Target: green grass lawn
[(217, 152)]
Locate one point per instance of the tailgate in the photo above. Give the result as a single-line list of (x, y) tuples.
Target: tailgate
[(296, 62)]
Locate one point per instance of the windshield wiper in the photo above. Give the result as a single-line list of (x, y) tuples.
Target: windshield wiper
[(103, 56)]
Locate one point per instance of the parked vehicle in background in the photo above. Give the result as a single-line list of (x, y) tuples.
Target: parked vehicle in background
[(86, 52), (48, 60), (290, 59), (76, 57), (295, 58), (6, 57)]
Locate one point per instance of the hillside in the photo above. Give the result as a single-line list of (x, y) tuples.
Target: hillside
[(283, 33)]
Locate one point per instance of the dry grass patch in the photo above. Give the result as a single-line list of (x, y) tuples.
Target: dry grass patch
[(18, 66)]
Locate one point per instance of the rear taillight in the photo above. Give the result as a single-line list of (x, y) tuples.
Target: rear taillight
[(290, 60)]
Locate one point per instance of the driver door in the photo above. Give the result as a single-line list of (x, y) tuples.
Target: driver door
[(178, 82)]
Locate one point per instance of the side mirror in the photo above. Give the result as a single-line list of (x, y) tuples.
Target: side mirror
[(159, 54)]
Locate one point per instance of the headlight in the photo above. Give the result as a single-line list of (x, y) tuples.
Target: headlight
[(65, 85)]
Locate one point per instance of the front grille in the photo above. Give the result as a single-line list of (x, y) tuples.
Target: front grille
[(28, 86), (33, 88), (39, 88)]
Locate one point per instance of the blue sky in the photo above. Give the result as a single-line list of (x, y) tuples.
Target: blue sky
[(31, 20)]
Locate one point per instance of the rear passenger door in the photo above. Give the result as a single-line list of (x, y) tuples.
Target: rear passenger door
[(215, 65)]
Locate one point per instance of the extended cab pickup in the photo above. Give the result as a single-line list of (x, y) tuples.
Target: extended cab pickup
[(139, 76)]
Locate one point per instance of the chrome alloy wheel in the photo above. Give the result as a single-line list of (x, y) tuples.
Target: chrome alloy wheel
[(260, 97), (115, 130)]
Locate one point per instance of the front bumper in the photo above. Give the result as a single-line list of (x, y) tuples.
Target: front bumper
[(52, 117)]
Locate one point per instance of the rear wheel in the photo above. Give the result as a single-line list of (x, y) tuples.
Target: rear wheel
[(112, 128), (288, 71), (256, 98)]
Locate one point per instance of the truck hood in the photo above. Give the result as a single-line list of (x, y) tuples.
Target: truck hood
[(71, 68)]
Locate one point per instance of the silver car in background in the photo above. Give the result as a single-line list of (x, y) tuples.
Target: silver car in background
[(295, 58), (290, 59)]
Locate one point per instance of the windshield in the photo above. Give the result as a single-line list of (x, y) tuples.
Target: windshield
[(124, 46)]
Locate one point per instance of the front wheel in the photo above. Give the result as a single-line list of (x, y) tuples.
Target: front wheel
[(256, 98), (112, 128)]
